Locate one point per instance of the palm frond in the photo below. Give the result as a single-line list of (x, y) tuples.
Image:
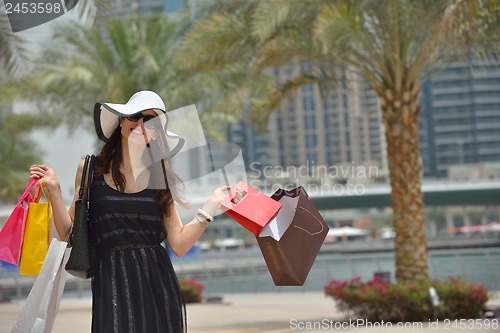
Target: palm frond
[(446, 31), (346, 34), (89, 10), (216, 41), (14, 57), (274, 17), (200, 10), (106, 62)]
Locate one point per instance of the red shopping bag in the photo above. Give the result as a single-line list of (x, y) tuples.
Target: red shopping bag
[(253, 211), (12, 234)]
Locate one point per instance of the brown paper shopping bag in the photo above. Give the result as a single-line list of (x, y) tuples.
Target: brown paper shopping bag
[(291, 241)]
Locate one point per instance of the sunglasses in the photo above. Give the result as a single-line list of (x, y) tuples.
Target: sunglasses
[(145, 118)]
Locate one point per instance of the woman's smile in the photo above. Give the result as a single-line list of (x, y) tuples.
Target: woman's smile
[(138, 130)]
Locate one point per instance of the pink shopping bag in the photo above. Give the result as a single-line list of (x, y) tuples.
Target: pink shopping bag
[(12, 234)]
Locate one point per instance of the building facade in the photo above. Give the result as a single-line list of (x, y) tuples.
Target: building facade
[(460, 122), (338, 127)]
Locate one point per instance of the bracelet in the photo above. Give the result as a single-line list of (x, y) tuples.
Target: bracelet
[(205, 223), (204, 214)]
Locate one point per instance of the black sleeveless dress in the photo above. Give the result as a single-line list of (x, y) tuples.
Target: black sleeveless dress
[(134, 286)]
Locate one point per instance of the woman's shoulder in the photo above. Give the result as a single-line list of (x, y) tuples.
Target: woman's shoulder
[(83, 161), (82, 165)]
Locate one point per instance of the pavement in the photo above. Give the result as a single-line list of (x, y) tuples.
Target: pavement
[(257, 313)]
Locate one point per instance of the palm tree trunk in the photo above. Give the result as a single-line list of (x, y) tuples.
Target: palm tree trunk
[(400, 113)]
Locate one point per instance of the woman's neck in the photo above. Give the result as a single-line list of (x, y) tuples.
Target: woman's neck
[(132, 158)]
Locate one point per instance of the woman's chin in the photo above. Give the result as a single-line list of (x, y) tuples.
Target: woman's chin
[(136, 139)]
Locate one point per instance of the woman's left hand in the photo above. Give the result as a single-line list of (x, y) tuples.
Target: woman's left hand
[(50, 180), (215, 199)]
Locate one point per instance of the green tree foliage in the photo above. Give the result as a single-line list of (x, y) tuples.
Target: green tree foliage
[(14, 57), (109, 61), (17, 150), (16, 155)]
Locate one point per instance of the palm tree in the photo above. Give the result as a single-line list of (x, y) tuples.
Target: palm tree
[(15, 59), (107, 61), (221, 83), (388, 44), (18, 150)]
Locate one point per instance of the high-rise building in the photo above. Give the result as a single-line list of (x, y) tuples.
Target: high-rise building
[(460, 122), (341, 127), (255, 146)]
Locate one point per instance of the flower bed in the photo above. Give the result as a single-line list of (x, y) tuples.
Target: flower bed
[(378, 300), (191, 290)]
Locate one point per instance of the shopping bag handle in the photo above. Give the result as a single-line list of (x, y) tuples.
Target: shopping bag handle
[(37, 194), (242, 196), (320, 223), (241, 189), (41, 191), (27, 191)]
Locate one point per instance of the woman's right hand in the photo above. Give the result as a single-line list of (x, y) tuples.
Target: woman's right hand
[(215, 199), (50, 180), (62, 217)]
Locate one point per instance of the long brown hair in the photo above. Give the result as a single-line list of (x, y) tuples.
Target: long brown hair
[(110, 159)]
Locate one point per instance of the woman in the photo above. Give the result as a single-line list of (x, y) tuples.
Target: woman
[(134, 286)]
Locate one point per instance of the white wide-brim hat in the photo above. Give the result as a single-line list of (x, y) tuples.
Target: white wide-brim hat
[(107, 115)]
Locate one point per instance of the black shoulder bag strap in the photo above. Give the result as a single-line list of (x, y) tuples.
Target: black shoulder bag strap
[(79, 262), (84, 177), (90, 178)]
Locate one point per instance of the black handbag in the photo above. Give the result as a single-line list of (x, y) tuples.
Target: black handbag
[(79, 263)]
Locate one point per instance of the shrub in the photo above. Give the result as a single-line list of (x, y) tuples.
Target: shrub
[(406, 301), (191, 290), (462, 299)]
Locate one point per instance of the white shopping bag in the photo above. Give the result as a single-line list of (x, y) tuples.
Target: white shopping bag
[(42, 304), (277, 227)]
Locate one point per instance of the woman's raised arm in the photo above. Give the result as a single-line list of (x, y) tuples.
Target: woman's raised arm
[(63, 219)]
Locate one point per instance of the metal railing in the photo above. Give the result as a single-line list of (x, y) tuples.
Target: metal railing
[(245, 271)]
